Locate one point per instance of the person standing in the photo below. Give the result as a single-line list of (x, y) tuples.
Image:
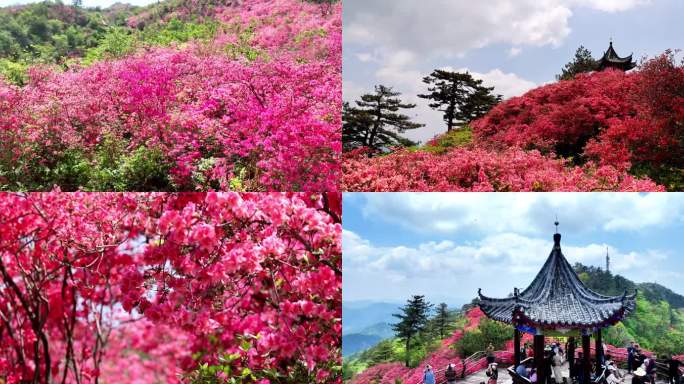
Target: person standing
[(490, 354), (673, 373), (578, 371), (428, 375), (450, 374), (651, 369), (630, 357), (548, 356), (557, 363), (493, 373)]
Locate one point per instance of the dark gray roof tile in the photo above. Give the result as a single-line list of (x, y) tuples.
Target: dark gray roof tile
[(558, 298)]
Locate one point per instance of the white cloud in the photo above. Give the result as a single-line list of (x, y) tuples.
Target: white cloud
[(506, 84), (514, 51), (512, 255), (611, 5), (352, 91), (453, 27), (364, 57), (524, 213)]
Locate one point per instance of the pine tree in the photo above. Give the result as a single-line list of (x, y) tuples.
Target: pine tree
[(412, 321), (581, 63), (442, 319), (375, 121), (459, 96)]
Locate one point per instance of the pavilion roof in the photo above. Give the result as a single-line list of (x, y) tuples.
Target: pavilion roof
[(612, 59), (557, 298)]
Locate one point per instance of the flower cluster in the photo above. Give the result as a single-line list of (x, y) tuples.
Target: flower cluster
[(479, 169), (612, 117), (260, 102), (151, 287)]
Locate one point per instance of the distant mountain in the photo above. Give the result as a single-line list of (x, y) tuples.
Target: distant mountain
[(358, 316), (384, 330), (366, 338), (356, 342), (656, 292)]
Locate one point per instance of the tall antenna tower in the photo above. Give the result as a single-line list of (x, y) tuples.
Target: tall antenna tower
[(607, 260)]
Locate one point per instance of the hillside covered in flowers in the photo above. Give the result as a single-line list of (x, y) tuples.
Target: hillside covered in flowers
[(601, 131), (170, 288), (188, 95)]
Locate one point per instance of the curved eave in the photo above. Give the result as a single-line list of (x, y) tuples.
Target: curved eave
[(625, 63), (608, 319), (497, 314), (512, 311)]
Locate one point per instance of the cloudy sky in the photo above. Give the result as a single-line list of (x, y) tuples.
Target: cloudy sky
[(86, 3), (447, 245), (513, 45)]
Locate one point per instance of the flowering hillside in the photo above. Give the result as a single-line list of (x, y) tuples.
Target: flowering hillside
[(170, 288), (388, 373), (255, 107), (602, 131)]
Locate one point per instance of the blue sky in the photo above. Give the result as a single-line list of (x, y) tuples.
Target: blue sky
[(513, 45), (86, 3), (447, 245)]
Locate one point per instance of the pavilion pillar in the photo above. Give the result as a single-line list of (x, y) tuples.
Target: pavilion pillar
[(586, 358), (599, 350), (539, 357), (516, 345), (571, 353)]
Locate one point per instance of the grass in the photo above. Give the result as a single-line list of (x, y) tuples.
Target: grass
[(442, 144)]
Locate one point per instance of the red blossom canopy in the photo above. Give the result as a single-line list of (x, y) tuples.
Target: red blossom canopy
[(130, 286)]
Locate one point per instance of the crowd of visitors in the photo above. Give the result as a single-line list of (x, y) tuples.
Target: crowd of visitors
[(605, 371)]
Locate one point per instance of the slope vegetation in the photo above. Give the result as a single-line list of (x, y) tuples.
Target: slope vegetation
[(184, 96), (605, 130)]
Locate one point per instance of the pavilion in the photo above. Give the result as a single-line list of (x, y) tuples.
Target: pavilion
[(557, 303), (611, 59)]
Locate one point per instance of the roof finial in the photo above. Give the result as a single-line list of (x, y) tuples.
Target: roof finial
[(556, 223)]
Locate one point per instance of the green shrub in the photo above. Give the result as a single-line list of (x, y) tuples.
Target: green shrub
[(118, 42), (489, 331), (244, 48), (178, 31), (13, 72), (455, 139), (147, 169)]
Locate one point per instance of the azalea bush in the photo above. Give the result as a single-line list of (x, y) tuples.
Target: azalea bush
[(194, 287), (606, 130), (256, 107), (632, 121), (478, 169)]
